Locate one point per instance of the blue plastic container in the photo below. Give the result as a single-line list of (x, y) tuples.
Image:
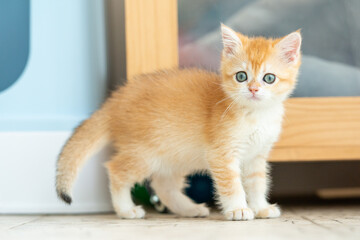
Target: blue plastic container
[(52, 76)]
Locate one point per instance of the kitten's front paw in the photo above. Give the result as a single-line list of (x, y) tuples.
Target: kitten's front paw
[(240, 214), (271, 211), (134, 213)]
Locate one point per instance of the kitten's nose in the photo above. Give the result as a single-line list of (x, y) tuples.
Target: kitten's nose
[(253, 89)]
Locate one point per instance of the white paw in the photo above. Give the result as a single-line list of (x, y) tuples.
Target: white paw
[(198, 210), (240, 214), (133, 213), (271, 211)]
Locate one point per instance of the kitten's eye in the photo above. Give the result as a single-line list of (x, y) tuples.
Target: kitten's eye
[(241, 76), (269, 78)]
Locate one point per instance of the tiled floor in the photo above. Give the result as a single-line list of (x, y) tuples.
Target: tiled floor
[(322, 222)]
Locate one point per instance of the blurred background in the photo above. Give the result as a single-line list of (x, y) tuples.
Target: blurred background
[(330, 30), (59, 60)]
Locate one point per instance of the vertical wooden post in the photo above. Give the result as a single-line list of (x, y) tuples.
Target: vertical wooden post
[(151, 28)]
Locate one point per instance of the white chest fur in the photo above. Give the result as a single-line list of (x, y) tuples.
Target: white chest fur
[(257, 131)]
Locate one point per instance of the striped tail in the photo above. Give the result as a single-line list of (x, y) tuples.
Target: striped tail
[(87, 139)]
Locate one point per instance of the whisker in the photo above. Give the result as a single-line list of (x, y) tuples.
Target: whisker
[(228, 108), (224, 99)]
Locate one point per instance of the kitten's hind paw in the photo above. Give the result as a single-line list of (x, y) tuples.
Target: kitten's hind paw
[(240, 214), (198, 210), (134, 213), (271, 211)]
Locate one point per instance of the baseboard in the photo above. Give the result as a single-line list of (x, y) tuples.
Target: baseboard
[(27, 176)]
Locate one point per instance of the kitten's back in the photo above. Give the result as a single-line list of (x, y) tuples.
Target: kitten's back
[(173, 101)]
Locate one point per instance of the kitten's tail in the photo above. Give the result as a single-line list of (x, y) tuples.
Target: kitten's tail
[(87, 139)]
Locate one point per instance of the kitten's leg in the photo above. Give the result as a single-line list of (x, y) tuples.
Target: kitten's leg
[(169, 190), (124, 172), (256, 185), (226, 174)]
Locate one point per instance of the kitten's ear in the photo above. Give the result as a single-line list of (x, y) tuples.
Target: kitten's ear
[(289, 47), (231, 41)]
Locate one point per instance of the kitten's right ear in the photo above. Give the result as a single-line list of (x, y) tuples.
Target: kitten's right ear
[(231, 41)]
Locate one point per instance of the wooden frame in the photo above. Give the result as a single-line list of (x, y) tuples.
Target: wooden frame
[(315, 129), (151, 35)]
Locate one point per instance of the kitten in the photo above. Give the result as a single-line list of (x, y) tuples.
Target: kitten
[(167, 125)]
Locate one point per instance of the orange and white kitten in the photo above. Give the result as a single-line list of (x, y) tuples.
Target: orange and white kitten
[(167, 125)]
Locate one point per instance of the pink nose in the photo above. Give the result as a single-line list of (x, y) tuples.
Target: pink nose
[(253, 90)]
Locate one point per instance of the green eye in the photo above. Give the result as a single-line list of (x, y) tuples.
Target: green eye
[(241, 76), (269, 78)]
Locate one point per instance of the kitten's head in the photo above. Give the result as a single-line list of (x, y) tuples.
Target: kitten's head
[(259, 71)]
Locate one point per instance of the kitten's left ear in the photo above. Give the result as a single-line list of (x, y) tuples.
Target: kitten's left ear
[(289, 47), (231, 41)]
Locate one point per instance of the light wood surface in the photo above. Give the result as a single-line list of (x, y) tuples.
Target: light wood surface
[(151, 35), (311, 222), (318, 129), (291, 153)]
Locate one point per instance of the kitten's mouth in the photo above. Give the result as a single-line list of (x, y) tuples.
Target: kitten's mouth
[(254, 97)]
